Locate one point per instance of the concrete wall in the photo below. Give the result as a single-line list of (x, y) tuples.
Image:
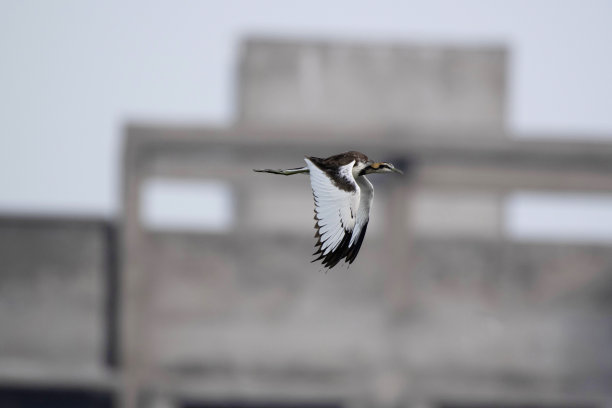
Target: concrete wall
[(459, 315), (54, 275), (369, 85)]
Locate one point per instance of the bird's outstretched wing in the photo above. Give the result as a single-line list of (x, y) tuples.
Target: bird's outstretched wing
[(337, 200)]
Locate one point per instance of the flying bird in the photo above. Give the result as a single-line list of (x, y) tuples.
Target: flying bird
[(343, 196)]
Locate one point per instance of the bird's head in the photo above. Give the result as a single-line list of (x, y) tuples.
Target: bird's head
[(380, 167)]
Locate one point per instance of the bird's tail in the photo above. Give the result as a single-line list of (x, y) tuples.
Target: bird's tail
[(287, 172)]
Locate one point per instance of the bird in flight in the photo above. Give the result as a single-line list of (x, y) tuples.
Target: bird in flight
[(342, 196)]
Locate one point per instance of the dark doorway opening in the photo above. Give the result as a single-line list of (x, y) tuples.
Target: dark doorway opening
[(258, 404), (56, 397)]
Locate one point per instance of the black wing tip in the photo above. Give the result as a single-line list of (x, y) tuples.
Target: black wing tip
[(342, 252)]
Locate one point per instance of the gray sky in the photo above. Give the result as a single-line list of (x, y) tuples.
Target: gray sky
[(73, 72)]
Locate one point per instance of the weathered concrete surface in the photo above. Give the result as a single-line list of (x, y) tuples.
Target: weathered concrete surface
[(53, 279), (371, 85), (438, 307)]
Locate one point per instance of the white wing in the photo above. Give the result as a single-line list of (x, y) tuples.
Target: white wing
[(363, 213), (337, 200)]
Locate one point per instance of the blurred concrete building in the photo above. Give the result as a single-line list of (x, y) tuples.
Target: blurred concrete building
[(372, 86), (58, 342), (219, 305)]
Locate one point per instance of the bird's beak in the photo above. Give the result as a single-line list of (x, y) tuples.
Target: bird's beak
[(385, 167)]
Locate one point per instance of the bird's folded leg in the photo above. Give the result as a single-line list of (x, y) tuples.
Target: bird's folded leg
[(286, 172)]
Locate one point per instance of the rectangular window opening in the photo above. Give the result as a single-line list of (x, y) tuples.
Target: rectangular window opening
[(187, 205), (559, 217)]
